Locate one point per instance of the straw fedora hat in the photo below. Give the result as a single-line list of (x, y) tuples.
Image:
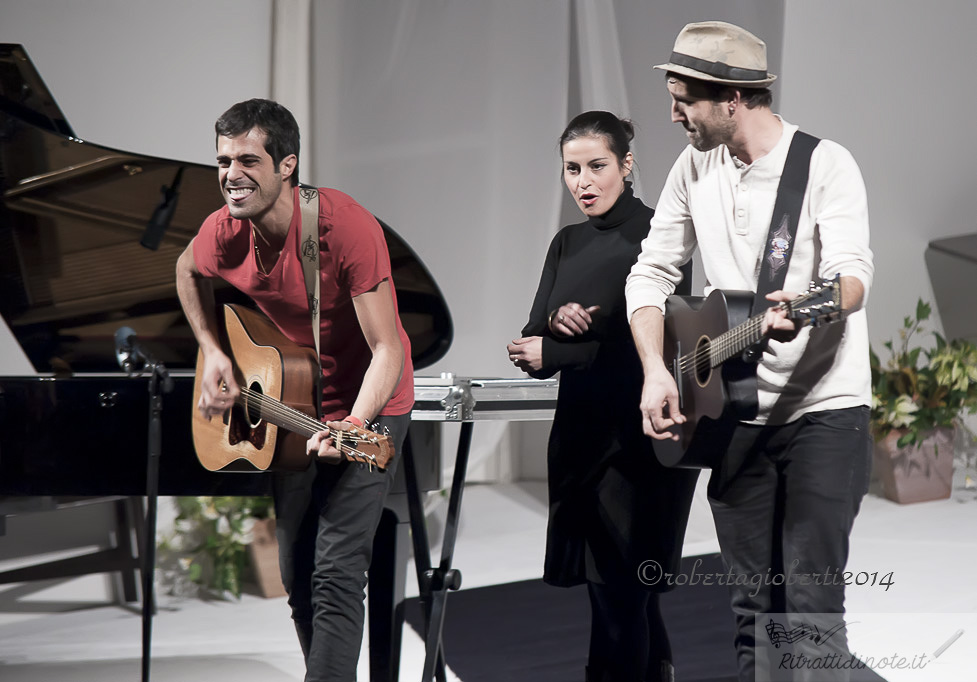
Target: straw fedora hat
[(721, 53)]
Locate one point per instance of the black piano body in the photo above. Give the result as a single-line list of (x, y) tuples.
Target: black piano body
[(82, 253)]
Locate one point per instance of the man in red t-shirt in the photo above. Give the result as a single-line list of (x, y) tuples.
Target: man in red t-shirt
[(326, 515)]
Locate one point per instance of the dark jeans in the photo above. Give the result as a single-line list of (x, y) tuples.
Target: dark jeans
[(326, 519), (784, 504)]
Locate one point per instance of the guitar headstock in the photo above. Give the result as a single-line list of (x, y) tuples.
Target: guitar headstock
[(359, 444), (820, 304)]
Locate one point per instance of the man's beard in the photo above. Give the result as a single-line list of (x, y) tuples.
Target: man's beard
[(713, 132)]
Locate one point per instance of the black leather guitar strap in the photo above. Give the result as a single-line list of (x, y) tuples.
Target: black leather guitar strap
[(779, 246)]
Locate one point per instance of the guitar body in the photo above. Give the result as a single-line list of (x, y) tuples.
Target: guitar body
[(271, 365), (712, 399)]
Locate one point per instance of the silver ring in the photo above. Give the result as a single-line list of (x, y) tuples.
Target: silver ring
[(562, 319)]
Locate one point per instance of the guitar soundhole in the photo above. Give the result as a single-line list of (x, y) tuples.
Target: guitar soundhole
[(702, 368), (246, 424), (252, 405)]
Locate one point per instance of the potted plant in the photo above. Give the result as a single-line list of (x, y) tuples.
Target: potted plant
[(918, 398), (215, 535)]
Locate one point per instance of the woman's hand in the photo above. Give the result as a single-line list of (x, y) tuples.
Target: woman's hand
[(571, 319), (527, 353)]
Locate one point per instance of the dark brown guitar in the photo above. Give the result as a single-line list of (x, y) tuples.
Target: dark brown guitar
[(704, 345), (274, 415)]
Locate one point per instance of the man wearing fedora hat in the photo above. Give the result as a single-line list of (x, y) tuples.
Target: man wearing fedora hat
[(789, 483)]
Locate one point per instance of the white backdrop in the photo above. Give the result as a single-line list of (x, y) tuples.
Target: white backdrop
[(442, 116), (895, 84)]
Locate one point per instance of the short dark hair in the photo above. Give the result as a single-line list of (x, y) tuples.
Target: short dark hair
[(278, 124), (617, 132), (719, 92)]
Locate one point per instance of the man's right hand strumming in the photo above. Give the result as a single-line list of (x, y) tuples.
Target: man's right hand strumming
[(659, 396), (659, 404), (218, 389)]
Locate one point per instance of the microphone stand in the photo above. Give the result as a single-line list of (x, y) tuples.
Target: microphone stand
[(160, 382)]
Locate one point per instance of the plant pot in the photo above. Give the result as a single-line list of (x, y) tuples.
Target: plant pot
[(263, 555), (916, 473)]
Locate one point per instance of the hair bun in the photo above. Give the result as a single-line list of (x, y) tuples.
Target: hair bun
[(628, 126)]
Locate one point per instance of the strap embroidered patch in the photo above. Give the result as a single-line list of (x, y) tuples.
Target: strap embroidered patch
[(779, 247)]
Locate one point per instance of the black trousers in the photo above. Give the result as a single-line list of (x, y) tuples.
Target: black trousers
[(326, 519), (784, 504)]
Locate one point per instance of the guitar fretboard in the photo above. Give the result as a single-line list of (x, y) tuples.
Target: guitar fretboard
[(726, 345)]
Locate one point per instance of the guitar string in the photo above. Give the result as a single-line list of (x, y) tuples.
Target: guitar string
[(295, 417), (730, 342), (723, 346), (738, 338), (748, 333), (271, 407)]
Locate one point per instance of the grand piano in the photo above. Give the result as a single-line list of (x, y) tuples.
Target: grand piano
[(89, 238)]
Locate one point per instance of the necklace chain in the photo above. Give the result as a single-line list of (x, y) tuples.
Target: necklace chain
[(257, 251)]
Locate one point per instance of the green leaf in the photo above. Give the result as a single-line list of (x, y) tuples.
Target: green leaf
[(907, 439), (923, 310)]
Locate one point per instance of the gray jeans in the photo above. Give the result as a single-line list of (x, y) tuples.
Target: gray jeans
[(326, 519)]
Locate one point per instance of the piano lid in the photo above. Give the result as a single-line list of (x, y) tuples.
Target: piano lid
[(73, 220)]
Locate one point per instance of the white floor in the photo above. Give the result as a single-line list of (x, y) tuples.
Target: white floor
[(51, 632)]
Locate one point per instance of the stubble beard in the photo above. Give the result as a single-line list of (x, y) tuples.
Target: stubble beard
[(713, 132)]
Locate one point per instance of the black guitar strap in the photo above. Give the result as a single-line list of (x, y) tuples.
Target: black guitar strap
[(778, 248)]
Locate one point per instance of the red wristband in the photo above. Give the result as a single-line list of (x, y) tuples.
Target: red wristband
[(355, 421)]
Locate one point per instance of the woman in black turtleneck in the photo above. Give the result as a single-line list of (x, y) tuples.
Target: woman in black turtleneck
[(613, 508)]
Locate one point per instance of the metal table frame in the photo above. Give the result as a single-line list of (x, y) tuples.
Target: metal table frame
[(465, 401)]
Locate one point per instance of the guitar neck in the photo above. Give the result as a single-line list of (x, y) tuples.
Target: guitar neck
[(736, 340), (814, 307)]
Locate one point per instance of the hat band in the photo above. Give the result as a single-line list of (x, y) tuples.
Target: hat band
[(718, 69)]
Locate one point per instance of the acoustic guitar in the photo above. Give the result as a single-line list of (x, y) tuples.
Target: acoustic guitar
[(710, 347), (275, 413)]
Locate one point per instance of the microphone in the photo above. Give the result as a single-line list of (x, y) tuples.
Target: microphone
[(162, 214), (134, 359), (127, 350)]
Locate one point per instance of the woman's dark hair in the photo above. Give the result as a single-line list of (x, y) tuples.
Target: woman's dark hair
[(617, 132), (281, 130)]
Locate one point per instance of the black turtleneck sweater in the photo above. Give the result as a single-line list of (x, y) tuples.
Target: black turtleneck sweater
[(587, 263), (602, 473)]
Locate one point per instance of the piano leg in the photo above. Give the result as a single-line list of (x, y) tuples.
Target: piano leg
[(129, 517)]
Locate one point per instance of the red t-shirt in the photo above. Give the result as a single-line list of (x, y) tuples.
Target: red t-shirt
[(353, 260)]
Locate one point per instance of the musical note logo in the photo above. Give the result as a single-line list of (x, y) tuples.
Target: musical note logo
[(778, 634)]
